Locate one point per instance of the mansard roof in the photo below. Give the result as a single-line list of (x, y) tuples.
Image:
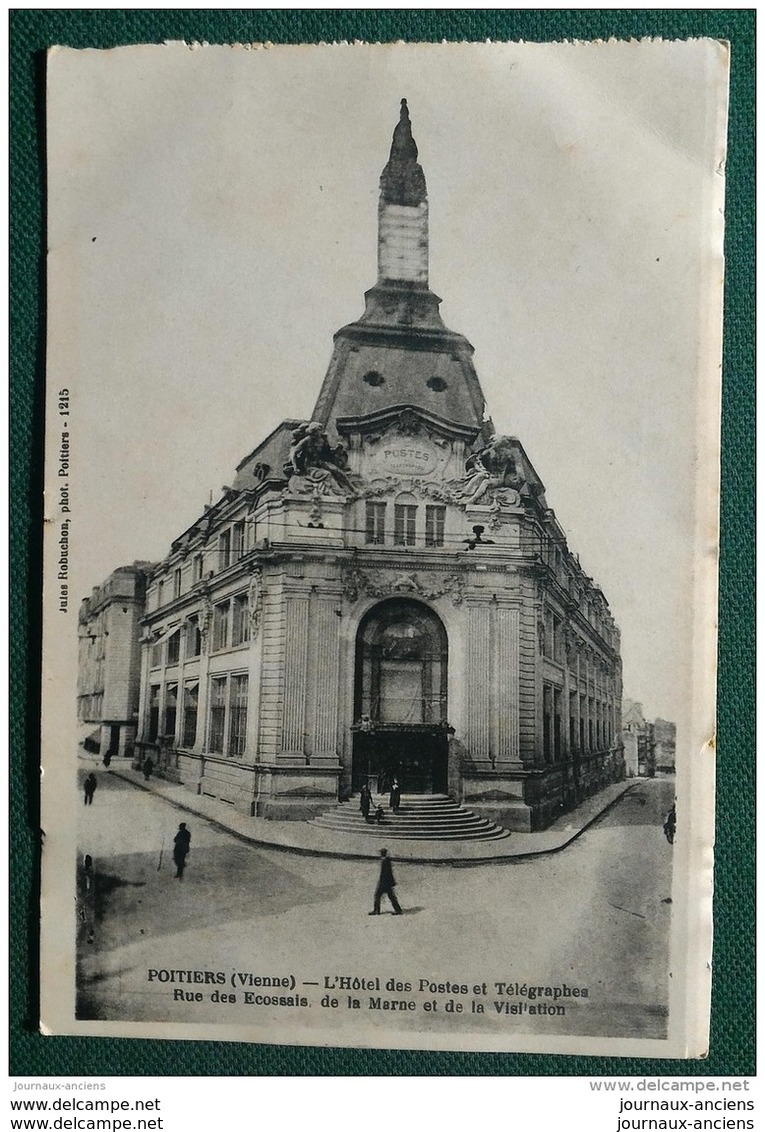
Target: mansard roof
[(266, 462)]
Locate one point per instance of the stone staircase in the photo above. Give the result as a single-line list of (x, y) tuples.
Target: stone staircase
[(421, 817)]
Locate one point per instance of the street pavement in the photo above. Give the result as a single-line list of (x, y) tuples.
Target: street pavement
[(595, 915), (308, 837)]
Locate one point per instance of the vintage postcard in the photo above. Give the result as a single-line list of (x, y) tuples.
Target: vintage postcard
[(381, 477)]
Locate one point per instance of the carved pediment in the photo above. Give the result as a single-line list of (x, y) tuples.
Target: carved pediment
[(436, 490), (405, 421), (387, 583)]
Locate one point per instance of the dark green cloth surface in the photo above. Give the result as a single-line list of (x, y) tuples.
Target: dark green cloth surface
[(31, 32)]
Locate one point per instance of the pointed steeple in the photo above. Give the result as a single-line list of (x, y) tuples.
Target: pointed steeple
[(399, 353), (402, 180), (402, 242)]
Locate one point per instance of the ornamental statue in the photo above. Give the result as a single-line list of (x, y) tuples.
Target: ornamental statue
[(489, 469), (312, 457)]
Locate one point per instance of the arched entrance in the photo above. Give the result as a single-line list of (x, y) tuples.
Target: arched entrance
[(400, 703)]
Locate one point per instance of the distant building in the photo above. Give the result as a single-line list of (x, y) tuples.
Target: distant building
[(383, 590), (638, 740), (664, 733), (109, 663)]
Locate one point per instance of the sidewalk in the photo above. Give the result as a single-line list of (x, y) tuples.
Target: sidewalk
[(302, 837)]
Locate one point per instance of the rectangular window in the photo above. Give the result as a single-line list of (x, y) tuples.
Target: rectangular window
[(549, 635), (171, 709), (193, 636), (547, 722), (198, 567), (590, 725), (161, 593), (174, 647), (435, 517), (153, 712), (224, 550), (240, 620), (237, 545), (404, 520), (221, 619), (375, 533), (557, 724), (557, 642), (238, 727), (177, 582), (190, 712), (217, 714), (156, 655)]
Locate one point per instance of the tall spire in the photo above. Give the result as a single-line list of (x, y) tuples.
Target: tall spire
[(399, 353), (402, 180), (402, 243)]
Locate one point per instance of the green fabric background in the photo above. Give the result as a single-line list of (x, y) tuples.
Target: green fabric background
[(31, 32)]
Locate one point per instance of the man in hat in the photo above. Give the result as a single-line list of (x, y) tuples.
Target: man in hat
[(91, 782), (386, 885), (181, 844)]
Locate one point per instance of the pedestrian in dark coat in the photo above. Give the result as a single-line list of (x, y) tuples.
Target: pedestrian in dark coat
[(181, 844), (148, 767), (386, 886), (365, 801), (91, 782), (395, 796)]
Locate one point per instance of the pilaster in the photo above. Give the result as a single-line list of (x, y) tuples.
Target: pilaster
[(295, 676), (324, 665), (478, 684), (505, 709)]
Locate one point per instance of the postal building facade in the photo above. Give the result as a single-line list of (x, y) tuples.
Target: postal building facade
[(383, 589)]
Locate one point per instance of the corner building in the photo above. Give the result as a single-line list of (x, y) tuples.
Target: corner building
[(383, 590), (108, 660)]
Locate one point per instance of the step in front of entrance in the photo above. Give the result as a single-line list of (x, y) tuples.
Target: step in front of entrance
[(432, 817)]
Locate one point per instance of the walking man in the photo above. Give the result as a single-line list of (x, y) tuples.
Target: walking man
[(386, 885), (91, 782), (181, 844)]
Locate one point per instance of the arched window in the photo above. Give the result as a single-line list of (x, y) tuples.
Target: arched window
[(405, 520), (401, 665)]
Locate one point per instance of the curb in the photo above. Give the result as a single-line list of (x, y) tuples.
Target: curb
[(352, 855)]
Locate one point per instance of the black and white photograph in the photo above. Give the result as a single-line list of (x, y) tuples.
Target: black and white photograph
[(382, 465)]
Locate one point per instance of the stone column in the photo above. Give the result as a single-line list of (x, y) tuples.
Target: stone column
[(478, 680), (296, 674), (324, 678), (204, 695), (143, 691), (506, 685)]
